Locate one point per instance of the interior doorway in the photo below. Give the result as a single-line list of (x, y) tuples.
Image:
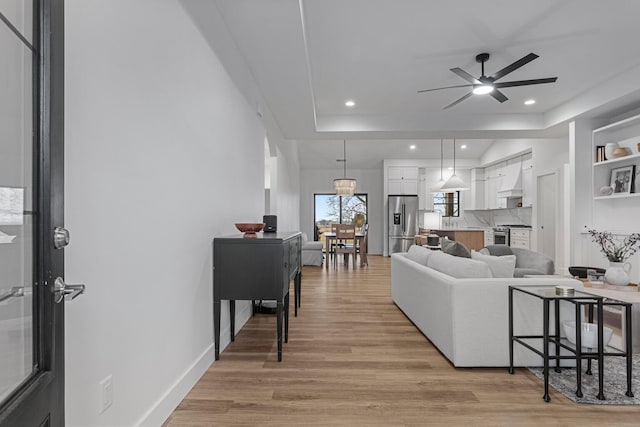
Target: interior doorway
[(547, 196)]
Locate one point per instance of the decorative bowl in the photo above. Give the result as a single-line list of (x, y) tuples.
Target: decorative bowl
[(249, 228), (621, 152), (589, 334), (581, 272), (605, 190)]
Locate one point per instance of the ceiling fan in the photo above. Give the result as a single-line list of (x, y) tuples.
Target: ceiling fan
[(487, 84)]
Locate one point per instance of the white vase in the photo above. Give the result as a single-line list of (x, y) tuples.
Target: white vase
[(618, 273), (609, 147)]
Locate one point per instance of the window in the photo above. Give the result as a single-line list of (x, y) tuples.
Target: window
[(448, 204), (332, 209)]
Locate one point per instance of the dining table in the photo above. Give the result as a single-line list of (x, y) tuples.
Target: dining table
[(329, 236)]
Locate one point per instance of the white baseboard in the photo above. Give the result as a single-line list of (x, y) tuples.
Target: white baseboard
[(170, 400)]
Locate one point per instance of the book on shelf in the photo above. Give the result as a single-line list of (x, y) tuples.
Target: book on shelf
[(600, 153)]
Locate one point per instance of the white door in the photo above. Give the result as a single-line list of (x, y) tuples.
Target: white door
[(547, 196)]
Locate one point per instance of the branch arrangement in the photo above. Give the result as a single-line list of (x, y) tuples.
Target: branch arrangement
[(614, 249)]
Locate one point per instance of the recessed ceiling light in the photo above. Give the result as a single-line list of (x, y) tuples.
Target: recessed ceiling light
[(463, 146), (450, 168), (349, 103), (529, 102), (413, 147)]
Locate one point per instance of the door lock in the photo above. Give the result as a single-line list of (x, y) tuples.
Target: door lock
[(66, 292), (60, 237)]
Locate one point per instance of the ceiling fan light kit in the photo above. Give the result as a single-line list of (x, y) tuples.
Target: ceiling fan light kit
[(482, 89), (487, 84)]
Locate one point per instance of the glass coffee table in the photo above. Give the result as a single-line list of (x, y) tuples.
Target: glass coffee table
[(575, 352)]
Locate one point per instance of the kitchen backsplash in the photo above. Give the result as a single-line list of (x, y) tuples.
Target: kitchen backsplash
[(493, 217)]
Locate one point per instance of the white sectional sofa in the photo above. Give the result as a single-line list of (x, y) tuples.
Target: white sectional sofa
[(467, 317), (311, 251)]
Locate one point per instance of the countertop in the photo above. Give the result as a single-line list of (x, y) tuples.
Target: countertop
[(463, 229)]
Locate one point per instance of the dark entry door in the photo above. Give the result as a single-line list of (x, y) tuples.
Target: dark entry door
[(31, 207)]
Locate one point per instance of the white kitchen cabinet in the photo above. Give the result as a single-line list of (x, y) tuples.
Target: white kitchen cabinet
[(488, 236), (421, 185), (520, 238), (402, 187), (527, 187), (527, 180), (402, 180), (403, 173), (491, 194), (477, 198), (494, 175)]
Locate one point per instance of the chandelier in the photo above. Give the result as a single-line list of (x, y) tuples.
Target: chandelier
[(344, 186)]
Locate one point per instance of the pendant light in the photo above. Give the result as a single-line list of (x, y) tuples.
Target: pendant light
[(344, 186), (438, 185), (454, 183)]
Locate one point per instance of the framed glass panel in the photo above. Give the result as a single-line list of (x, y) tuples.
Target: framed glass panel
[(17, 351), (448, 204), (332, 209)]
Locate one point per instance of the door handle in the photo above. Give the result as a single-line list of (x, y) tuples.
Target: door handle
[(66, 292)]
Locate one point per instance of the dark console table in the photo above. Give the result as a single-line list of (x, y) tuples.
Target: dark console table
[(259, 268)]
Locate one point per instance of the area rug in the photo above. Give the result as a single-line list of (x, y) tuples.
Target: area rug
[(615, 382)]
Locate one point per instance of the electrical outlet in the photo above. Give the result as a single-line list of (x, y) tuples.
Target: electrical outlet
[(106, 393)]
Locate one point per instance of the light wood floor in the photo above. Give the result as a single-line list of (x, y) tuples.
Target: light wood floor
[(353, 358)]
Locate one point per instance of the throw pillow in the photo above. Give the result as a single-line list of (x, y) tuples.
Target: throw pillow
[(454, 248), (419, 254), (499, 250), (500, 266)]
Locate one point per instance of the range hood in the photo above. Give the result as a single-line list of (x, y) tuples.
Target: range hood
[(511, 182)]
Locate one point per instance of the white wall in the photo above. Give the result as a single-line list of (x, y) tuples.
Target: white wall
[(506, 148), (321, 181), (551, 156), (287, 191), (163, 153)]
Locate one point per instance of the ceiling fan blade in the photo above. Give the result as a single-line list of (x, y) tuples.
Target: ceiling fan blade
[(525, 82), (468, 77), (499, 96), (440, 88), (510, 68), (458, 101)]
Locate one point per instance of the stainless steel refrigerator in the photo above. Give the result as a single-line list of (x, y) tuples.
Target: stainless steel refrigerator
[(403, 222)]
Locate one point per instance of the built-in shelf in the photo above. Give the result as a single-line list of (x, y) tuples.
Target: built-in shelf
[(618, 160), (626, 133), (617, 196)]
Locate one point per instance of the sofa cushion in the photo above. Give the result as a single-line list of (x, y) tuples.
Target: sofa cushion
[(419, 254), (312, 246), (498, 250), (458, 267), (500, 266), (528, 259), (452, 247)]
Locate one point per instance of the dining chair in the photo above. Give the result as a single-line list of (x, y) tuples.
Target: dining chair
[(345, 243), (332, 242), (361, 245)]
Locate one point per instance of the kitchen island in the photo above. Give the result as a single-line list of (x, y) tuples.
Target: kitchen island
[(472, 238)]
